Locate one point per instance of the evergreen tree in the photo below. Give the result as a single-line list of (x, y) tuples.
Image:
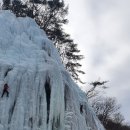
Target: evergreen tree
[(51, 16), (6, 4), (19, 8)]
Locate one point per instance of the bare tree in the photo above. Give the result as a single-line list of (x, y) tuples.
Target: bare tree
[(92, 92), (118, 118), (105, 108)]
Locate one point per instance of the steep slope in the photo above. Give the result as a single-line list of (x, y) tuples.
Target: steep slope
[(42, 96)]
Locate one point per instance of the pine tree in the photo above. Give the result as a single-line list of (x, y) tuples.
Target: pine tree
[(6, 4), (51, 16), (19, 8)]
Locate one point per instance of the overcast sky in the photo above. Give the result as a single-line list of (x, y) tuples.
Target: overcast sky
[(102, 30)]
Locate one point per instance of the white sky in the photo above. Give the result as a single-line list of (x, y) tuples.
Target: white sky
[(101, 29)]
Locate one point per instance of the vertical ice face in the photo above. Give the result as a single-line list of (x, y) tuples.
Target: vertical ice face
[(42, 96)]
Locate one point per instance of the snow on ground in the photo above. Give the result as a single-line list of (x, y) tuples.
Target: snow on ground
[(42, 96)]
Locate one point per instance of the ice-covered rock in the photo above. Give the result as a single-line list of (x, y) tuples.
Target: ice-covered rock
[(42, 96)]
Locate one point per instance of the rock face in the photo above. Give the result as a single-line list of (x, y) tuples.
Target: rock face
[(42, 96)]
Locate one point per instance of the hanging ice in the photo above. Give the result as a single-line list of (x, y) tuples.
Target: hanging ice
[(42, 96)]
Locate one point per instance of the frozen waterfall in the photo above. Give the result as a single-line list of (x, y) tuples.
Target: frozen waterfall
[(42, 96)]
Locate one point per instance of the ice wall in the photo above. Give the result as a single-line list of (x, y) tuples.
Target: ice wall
[(42, 96)]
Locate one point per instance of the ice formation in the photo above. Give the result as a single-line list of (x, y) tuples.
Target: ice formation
[(42, 96)]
